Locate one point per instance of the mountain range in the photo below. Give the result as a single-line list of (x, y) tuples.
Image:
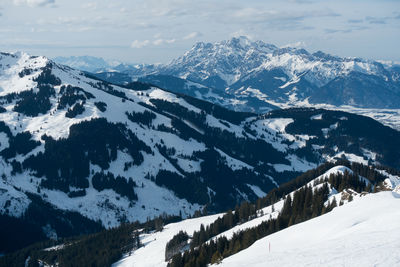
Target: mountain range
[(254, 76), (79, 154)]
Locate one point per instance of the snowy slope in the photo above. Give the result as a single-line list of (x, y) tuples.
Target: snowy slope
[(362, 233)]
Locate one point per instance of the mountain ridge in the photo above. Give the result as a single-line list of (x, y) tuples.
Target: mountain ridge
[(244, 70)]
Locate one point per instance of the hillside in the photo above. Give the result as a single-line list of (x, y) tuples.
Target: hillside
[(349, 218)]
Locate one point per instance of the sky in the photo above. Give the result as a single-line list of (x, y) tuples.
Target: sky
[(156, 31)]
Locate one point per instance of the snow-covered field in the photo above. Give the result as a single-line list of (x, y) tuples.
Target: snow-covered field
[(364, 232)]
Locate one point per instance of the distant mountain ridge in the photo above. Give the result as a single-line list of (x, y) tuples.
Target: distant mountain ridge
[(256, 75), (93, 64)]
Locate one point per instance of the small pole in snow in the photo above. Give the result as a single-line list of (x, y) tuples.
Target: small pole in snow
[(269, 247)]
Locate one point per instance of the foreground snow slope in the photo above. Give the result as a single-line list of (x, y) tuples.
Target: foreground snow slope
[(364, 232)]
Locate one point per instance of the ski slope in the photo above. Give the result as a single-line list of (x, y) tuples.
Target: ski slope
[(364, 232)]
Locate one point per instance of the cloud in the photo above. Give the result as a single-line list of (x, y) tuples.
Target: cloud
[(354, 20), (192, 35), (240, 33), (140, 44), (168, 11), (90, 6), (376, 20), (301, 1), (162, 41), (34, 3), (353, 28), (279, 19), (158, 42), (299, 44)]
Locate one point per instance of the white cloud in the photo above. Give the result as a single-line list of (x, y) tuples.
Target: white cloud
[(162, 41), (140, 44), (91, 5), (158, 42), (240, 33), (170, 41), (192, 35), (299, 44), (33, 3)]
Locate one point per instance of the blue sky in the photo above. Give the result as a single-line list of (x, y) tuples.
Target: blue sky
[(159, 30)]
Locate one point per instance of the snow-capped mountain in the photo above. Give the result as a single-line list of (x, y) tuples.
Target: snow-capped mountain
[(80, 153), (258, 76)]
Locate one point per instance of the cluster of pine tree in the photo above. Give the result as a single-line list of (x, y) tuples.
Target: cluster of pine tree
[(145, 118), (101, 106), (368, 172), (21, 143), (120, 185), (32, 104), (137, 86), (180, 185), (348, 180), (243, 213), (25, 72), (46, 77), (176, 244), (77, 109), (70, 95), (107, 87), (217, 111), (165, 107)]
